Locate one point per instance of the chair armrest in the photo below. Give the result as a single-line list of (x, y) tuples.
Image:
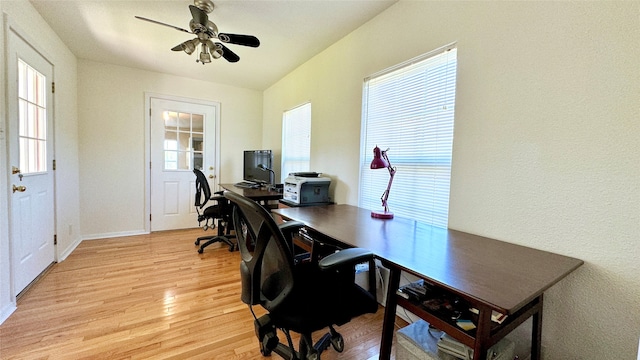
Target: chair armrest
[(217, 196), (351, 256), (290, 227)]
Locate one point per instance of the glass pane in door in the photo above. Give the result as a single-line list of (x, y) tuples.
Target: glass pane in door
[(32, 119), (183, 144)]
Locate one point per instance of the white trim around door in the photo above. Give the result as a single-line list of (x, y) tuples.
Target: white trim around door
[(147, 156)]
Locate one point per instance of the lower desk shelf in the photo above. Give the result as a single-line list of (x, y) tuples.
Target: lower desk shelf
[(496, 333), (437, 322)]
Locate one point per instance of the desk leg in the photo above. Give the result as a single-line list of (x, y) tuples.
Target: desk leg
[(388, 326), (536, 332), (483, 332)]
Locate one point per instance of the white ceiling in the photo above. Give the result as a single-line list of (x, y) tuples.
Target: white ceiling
[(290, 33)]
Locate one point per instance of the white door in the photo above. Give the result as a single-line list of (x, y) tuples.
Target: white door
[(183, 137), (31, 159)]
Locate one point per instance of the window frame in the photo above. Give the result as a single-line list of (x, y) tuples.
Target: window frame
[(421, 185), (298, 135)]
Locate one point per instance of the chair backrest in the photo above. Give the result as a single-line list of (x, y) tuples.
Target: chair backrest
[(203, 192), (267, 261)]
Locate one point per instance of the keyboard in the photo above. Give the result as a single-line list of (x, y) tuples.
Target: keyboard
[(247, 185)]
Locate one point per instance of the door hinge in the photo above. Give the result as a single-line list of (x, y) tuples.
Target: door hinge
[(149, 217), (55, 239), (53, 87), (149, 112), (54, 164)]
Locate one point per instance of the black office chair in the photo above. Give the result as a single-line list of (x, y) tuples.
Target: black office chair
[(220, 212), (301, 297)]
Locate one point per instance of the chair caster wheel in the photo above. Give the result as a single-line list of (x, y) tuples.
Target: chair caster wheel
[(313, 355), (338, 343), (231, 248), (200, 251), (264, 352), (268, 343), (197, 242), (266, 333)]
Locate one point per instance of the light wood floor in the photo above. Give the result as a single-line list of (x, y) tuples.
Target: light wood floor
[(149, 297)]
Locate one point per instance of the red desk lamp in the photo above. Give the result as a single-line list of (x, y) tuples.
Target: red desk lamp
[(380, 161)]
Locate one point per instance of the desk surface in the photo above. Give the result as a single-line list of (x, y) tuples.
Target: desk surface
[(498, 274), (254, 194)]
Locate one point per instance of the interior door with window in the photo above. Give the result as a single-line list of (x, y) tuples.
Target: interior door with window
[(31, 159), (183, 138)]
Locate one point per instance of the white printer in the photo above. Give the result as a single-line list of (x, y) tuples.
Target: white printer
[(306, 188)]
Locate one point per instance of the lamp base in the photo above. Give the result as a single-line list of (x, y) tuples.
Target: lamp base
[(382, 215)]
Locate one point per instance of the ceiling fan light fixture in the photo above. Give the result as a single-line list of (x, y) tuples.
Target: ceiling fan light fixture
[(189, 46), (205, 57), (214, 49)]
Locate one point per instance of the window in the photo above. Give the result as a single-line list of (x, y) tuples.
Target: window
[(32, 128), (296, 140), (183, 134), (409, 109)]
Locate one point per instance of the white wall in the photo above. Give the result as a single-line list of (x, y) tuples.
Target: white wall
[(112, 118), (23, 16), (546, 148)]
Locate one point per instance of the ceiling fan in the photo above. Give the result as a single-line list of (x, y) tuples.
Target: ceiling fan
[(205, 31)]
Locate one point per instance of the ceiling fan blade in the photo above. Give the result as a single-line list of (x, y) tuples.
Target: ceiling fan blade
[(198, 15), (246, 40), (229, 55), (161, 23)]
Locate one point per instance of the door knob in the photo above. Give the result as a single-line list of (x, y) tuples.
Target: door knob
[(20, 188)]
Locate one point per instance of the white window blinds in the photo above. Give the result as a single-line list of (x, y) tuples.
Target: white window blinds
[(409, 109), (296, 140)]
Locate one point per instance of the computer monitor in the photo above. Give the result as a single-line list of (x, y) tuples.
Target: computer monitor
[(252, 161)]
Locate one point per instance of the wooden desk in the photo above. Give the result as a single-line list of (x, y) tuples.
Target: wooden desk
[(260, 195), (487, 273)]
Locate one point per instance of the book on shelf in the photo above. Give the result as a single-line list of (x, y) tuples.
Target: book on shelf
[(415, 291), (466, 325), (496, 317)]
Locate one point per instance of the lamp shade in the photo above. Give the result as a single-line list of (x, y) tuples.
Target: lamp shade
[(378, 162), (381, 161)]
